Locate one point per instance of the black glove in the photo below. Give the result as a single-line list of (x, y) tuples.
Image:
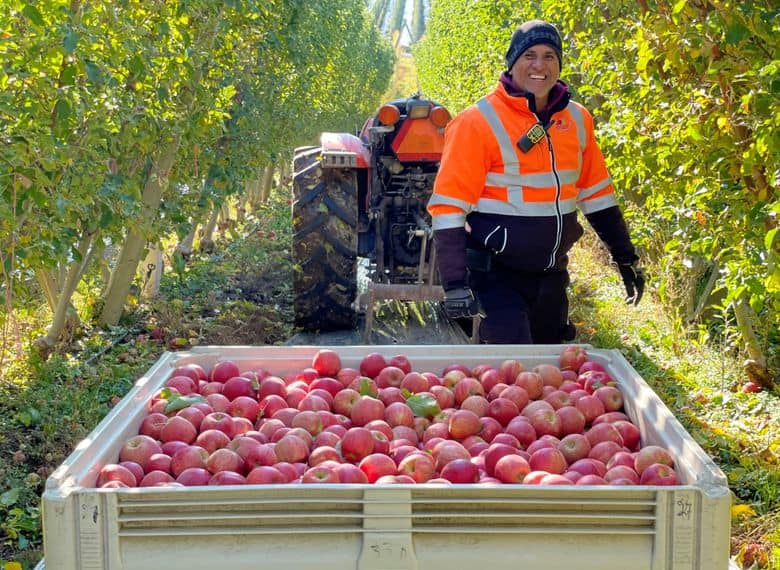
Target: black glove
[(634, 281), (460, 303)]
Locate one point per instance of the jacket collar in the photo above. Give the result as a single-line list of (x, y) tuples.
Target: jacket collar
[(557, 101)]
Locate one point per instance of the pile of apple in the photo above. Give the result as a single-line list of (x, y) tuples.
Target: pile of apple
[(386, 423)]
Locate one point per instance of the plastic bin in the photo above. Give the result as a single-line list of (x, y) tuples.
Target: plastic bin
[(392, 527)]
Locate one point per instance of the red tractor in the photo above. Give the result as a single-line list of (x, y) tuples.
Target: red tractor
[(359, 210)]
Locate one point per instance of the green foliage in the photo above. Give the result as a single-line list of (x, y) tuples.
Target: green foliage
[(683, 95), (91, 97)]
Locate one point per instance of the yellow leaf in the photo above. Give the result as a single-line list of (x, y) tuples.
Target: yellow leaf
[(723, 123), (742, 512)]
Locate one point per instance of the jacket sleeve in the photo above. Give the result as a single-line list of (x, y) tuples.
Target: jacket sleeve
[(611, 228), (450, 247), (458, 186)]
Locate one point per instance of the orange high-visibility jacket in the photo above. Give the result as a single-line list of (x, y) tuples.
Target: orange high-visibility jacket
[(521, 205)]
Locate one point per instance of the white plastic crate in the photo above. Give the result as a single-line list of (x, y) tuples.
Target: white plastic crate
[(392, 527)]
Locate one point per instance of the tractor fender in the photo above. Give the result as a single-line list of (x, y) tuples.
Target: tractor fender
[(342, 150)]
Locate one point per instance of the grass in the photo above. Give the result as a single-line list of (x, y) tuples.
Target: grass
[(240, 294)]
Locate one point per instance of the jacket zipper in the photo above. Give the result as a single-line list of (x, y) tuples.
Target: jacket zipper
[(558, 215)]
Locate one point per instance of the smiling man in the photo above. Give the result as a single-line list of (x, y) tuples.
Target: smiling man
[(516, 167)]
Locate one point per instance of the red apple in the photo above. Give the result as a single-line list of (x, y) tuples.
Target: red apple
[(490, 428), (345, 400), (139, 449), (571, 419), (572, 358), (194, 477), (658, 474), (590, 406), (589, 466), (291, 449), (603, 432), (512, 469), (367, 409), (591, 479), (508, 371), (371, 364), (330, 385), (558, 399), (460, 471), (621, 472), (545, 421), (531, 382), (418, 465), (326, 362), (611, 397), (414, 382), (466, 387), (152, 424), (592, 380), (574, 446), (604, 450), (155, 479), (308, 420), (218, 420), (265, 475), (551, 374), (223, 370), (444, 396), (629, 432), (652, 454), (224, 460), (402, 362), (463, 423), (399, 414), (227, 478), (489, 377), (238, 386), (116, 472), (264, 454), (183, 384), (376, 465), (357, 443), (548, 459), (554, 479), (522, 430), (495, 452), (347, 375), (477, 404)]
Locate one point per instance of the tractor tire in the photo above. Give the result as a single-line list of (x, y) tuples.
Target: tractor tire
[(324, 245)]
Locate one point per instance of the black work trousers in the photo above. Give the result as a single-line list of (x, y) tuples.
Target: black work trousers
[(523, 308)]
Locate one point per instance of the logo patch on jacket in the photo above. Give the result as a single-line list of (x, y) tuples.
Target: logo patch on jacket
[(562, 125)]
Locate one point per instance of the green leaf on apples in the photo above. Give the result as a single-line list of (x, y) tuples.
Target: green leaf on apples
[(181, 402), (365, 386), (423, 405)]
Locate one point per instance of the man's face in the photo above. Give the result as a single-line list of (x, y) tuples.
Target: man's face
[(536, 71)]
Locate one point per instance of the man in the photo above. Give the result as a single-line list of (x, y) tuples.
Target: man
[(516, 166)]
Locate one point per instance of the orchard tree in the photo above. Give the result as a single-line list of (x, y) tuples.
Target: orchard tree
[(683, 93)]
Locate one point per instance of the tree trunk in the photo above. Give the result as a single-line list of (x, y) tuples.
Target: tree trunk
[(64, 311), (756, 364), (152, 270), (185, 245), (49, 287), (122, 276), (207, 238), (268, 178)]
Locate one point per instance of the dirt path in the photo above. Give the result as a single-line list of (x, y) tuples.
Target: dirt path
[(394, 323)]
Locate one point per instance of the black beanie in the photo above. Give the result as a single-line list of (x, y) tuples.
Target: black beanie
[(531, 33)]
